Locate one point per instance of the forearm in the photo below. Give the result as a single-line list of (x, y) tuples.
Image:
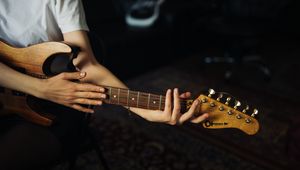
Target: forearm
[(87, 62), (98, 74), (18, 81)]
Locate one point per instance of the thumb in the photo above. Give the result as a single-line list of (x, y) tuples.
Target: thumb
[(73, 75)]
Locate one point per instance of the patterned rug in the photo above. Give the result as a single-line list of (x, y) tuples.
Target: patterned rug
[(129, 142)]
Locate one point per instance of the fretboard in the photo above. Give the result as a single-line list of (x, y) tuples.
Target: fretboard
[(129, 98)]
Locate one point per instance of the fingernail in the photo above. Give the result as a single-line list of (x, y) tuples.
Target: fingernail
[(103, 96), (82, 74)]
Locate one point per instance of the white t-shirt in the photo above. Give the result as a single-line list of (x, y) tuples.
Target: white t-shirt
[(26, 22)]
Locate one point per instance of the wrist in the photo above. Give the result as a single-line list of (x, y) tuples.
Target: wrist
[(37, 88)]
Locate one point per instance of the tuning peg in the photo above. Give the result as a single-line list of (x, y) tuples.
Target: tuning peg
[(237, 104), (245, 110), (255, 112), (211, 92), (220, 96), (228, 100)]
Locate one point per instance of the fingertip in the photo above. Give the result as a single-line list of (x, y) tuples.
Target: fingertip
[(188, 94), (176, 92), (196, 102)]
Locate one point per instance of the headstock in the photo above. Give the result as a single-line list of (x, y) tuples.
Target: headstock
[(226, 112)]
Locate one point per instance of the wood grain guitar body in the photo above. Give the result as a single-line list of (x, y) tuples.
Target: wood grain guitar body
[(42, 61)]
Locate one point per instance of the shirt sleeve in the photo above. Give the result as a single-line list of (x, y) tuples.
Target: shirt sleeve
[(70, 15)]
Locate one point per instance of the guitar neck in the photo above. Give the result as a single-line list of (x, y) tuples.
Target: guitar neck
[(129, 98)]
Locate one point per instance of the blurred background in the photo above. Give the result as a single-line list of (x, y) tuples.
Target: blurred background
[(248, 48)]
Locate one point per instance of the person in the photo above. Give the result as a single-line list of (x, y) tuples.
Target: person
[(24, 145)]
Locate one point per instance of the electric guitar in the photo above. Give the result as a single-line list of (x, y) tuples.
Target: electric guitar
[(47, 59)]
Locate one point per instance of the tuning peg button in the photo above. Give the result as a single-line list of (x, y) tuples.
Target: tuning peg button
[(237, 104), (227, 100), (220, 96), (245, 110), (255, 113), (211, 92)]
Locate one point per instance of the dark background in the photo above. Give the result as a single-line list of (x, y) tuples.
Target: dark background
[(188, 28), (175, 52)]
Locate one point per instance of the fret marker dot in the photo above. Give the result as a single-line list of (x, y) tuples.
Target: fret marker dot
[(115, 96), (132, 98), (154, 102)]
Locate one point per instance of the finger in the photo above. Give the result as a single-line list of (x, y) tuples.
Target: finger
[(73, 75), (87, 101), (190, 113), (90, 95), (185, 95), (168, 106), (89, 87), (200, 118), (177, 107), (82, 109)]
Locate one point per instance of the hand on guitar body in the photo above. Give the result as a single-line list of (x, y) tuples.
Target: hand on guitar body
[(65, 89)]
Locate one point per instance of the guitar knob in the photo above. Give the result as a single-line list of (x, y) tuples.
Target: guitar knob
[(228, 100), (220, 96), (255, 113), (237, 104), (211, 92)]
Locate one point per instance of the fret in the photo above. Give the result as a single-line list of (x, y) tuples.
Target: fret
[(110, 95), (138, 98), (128, 92), (149, 95), (132, 99), (119, 95), (114, 96), (160, 96)]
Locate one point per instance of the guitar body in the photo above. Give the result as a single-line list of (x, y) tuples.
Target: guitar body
[(42, 61)]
